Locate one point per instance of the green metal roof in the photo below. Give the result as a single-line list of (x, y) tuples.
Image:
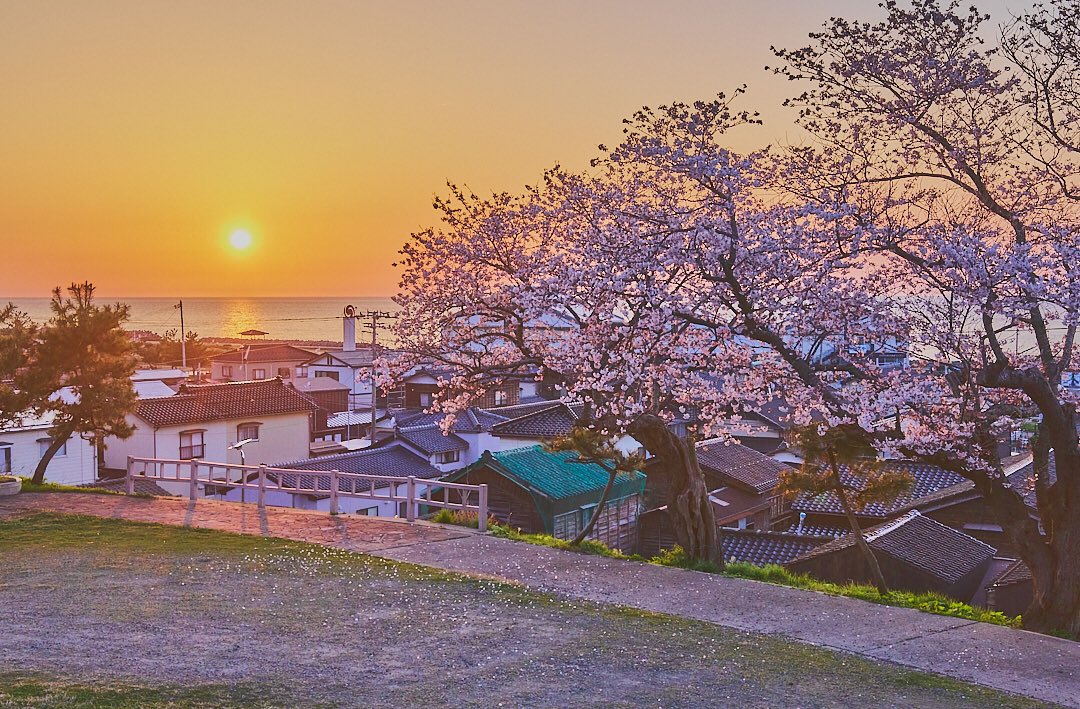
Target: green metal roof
[(556, 475)]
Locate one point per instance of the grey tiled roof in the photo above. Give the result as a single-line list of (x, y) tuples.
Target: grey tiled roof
[(929, 479), (430, 439), (919, 542), (513, 412), (741, 464), (471, 420), (552, 422), (818, 530), (392, 461), (761, 548), (1016, 573)]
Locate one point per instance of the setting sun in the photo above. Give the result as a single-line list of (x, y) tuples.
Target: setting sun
[(240, 239)]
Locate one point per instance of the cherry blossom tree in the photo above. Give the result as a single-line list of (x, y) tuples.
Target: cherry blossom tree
[(669, 279), (966, 166), (678, 276)]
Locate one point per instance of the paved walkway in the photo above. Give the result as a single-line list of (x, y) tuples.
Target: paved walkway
[(1025, 663)]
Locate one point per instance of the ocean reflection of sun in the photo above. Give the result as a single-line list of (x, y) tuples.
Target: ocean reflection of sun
[(241, 315)]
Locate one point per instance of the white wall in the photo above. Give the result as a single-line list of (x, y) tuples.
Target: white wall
[(281, 438), (359, 391), (75, 467)]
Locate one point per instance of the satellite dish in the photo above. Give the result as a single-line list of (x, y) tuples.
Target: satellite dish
[(350, 311)]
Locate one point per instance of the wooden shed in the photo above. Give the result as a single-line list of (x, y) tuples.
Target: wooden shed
[(915, 553), (555, 493)]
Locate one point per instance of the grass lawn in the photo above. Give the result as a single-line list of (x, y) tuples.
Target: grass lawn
[(105, 613)]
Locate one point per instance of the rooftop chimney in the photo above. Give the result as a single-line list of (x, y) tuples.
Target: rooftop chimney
[(349, 329)]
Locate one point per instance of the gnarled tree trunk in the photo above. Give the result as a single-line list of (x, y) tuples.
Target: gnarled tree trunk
[(1053, 556), (689, 508), (1056, 603), (1049, 546)]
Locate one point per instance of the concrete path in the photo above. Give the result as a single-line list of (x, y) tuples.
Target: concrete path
[(1015, 661)]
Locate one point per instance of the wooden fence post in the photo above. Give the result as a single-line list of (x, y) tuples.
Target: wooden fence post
[(193, 490), (333, 492), (482, 519), (130, 481), (410, 499), (262, 486)]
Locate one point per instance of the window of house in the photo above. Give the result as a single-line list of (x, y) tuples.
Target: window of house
[(43, 446), (5, 459), (502, 397), (331, 375), (192, 445), (247, 430), (425, 399), (259, 373), (302, 372), (226, 371), (284, 372), (448, 457), (369, 511)]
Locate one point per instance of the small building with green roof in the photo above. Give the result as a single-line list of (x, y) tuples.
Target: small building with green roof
[(556, 492)]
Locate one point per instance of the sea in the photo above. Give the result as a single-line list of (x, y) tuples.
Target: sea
[(280, 318)]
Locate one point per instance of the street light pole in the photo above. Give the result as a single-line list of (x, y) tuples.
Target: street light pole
[(183, 337)]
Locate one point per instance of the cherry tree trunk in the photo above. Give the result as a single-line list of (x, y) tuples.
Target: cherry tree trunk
[(1056, 603), (1051, 547), (689, 509)]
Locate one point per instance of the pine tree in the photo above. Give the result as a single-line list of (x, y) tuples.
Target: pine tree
[(80, 371), (842, 460)]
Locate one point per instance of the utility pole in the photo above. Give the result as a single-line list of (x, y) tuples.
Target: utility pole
[(376, 316), (183, 337)]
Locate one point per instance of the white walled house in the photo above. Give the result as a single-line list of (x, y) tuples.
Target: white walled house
[(22, 444), (203, 421), (349, 367), (256, 362)]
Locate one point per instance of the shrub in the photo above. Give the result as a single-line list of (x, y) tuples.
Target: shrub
[(677, 557), (462, 518)]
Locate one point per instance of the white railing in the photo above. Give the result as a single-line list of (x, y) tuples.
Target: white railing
[(333, 484)]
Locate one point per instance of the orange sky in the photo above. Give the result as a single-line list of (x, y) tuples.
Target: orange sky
[(134, 135)]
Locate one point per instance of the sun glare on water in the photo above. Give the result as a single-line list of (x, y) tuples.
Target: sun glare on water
[(240, 239)]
